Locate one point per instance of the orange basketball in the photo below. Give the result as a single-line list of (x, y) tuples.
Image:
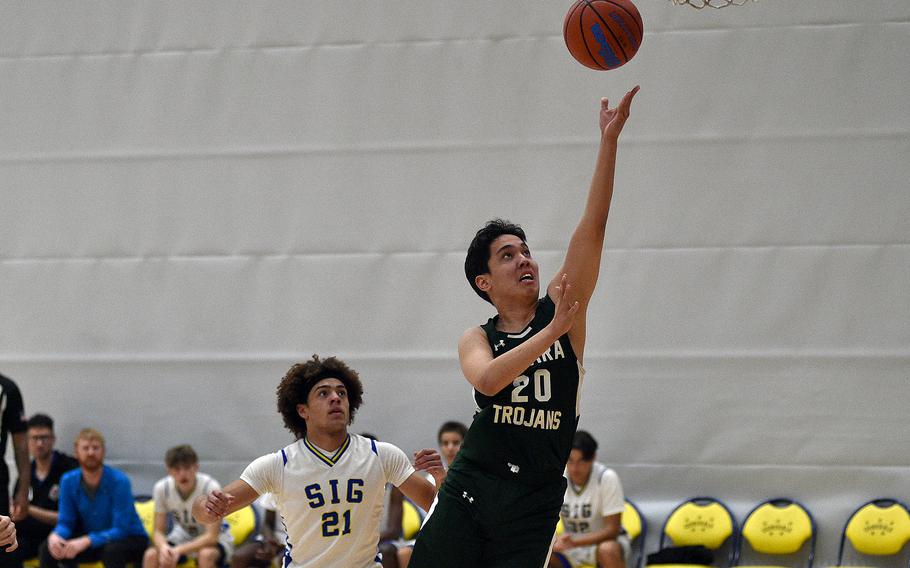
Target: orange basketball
[(603, 34)]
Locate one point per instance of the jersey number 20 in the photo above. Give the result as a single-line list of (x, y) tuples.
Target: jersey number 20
[(542, 387)]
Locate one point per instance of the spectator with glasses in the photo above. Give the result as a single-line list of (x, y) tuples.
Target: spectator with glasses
[(47, 467)]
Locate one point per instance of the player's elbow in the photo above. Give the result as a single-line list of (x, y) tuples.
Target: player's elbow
[(486, 387)]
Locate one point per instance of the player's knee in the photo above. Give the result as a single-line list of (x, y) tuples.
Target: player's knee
[(610, 554)]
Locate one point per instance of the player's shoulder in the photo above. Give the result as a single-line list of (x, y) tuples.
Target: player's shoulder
[(8, 384), (370, 446), (281, 455), (473, 334), (604, 474), (203, 478), (206, 482), (162, 484)]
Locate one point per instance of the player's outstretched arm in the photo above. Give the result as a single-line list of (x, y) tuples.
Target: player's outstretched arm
[(419, 490), (490, 375), (216, 505), (582, 262)]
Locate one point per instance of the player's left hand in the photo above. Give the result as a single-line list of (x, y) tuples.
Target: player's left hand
[(431, 462), (613, 119), (427, 459)]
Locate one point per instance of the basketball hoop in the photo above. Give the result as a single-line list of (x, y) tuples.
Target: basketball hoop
[(699, 4)]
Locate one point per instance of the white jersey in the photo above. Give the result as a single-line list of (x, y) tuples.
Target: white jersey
[(584, 508), (185, 528), (330, 503)]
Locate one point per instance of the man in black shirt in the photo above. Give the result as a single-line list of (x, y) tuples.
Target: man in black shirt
[(12, 421), (48, 466)]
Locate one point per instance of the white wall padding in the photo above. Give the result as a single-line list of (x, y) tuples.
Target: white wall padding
[(193, 196)]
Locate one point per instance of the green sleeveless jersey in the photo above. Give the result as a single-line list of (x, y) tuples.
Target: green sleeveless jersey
[(525, 430)]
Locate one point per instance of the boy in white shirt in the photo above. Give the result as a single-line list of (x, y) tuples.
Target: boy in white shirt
[(211, 545), (329, 485), (591, 512)]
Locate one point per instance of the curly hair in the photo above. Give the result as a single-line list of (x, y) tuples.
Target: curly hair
[(477, 261), (297, 383)]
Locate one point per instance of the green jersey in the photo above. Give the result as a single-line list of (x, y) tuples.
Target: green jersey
[(525, 430)]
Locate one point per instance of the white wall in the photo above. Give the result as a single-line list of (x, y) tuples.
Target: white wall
[(195, 195)]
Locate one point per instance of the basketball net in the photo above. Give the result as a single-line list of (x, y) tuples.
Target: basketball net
[(699, 4)]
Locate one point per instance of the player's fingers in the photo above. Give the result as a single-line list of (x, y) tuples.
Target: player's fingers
[(563, 286), (13, 546), (565, 292), (627, 99)]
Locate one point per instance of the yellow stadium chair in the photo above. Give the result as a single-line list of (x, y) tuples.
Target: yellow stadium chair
[(701, 521), (633, 522), (880, 527), (779, 528), (146, 511), (411, 519), (242, 523)]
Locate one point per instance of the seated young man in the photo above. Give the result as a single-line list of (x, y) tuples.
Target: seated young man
[(211, 545), (591, 512)]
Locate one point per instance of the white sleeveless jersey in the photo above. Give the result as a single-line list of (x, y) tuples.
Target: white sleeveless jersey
[(584, 508), (330, 504), (185, 528)]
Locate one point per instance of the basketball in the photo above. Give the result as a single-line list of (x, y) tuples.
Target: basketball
[(603, 34)]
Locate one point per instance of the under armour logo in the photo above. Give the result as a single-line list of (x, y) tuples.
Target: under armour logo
[(513, 468), (465, 496), (501, 343)]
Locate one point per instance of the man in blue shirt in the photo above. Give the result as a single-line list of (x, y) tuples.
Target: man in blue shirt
[(97, 519)]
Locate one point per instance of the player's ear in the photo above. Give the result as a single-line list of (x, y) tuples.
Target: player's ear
[(482, 281), (302, 410)]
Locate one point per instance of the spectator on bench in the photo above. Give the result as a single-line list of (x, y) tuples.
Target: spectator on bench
[(97, 519), (211, 545), (47, 467)]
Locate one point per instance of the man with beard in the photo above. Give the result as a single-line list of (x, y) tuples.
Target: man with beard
[(97, 519)]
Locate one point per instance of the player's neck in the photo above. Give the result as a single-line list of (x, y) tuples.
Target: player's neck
[(515, 316), (328, 441)]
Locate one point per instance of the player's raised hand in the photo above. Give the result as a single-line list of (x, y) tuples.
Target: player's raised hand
[(613, 119), (566, 306)]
